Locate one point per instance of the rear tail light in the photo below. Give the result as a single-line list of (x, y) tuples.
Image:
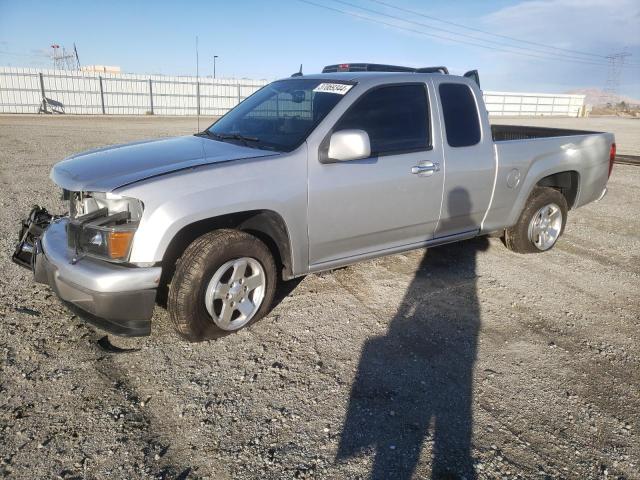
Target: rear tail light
[(612, 157)]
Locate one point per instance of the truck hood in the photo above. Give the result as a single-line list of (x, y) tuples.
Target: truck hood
[(108, 168)]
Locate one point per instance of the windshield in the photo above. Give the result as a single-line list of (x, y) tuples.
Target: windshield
[(281, 115)]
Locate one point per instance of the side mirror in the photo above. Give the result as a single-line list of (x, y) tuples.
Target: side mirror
[(347, 145)]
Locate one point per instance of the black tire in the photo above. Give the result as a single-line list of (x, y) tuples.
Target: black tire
[(196, 267), (516, 238)]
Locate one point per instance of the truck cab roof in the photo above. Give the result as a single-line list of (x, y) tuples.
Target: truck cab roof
[(372, 71), (372, 78), (377, 67), (356, 76)]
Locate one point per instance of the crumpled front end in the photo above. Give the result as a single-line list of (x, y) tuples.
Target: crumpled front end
[(83, 258)]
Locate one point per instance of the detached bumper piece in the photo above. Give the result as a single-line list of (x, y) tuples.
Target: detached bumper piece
[(114, 297), (31, 229)]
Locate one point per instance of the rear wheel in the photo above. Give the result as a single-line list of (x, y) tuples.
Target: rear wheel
[(540, 224), (224, 281)]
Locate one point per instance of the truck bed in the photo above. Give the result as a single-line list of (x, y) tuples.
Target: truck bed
[(502, 133), (533, 153)]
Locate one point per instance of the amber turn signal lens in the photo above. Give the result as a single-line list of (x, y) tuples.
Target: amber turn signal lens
[(119, 244)]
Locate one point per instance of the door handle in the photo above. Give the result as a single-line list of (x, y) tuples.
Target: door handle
[(425, 169)]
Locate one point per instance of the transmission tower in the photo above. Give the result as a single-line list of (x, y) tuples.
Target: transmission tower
[(63, 60), (616, 64)]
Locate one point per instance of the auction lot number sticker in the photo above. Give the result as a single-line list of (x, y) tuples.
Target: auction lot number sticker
[(338, 88)]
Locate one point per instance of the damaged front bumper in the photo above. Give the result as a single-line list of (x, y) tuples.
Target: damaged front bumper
[(114, 297)]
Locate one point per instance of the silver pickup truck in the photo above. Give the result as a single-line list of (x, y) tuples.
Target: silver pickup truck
[(310, 173)]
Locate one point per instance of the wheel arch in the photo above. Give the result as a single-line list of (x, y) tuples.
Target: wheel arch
[(267, 225), (566, 182)]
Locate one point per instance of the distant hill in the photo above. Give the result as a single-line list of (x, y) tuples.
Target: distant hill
[(595, 97)]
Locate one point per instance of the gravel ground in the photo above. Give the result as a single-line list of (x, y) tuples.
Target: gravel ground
[(528, 365)]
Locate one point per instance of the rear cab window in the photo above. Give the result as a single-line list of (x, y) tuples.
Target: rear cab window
[(460, 112), (396, 118)]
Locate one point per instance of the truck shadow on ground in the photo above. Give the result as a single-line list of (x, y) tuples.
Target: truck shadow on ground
[(414, 385)]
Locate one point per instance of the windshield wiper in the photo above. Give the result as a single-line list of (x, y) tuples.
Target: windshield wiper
[(236, 136), (228, 136), (207, 133)]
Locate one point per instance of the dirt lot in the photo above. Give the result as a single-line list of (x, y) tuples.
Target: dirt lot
[(398, 365)]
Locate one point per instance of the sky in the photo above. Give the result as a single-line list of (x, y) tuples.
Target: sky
[(270, 39)]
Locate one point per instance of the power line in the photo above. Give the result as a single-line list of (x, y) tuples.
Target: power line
[(434, 35), (507, 37), (420, 32), (472, 37)]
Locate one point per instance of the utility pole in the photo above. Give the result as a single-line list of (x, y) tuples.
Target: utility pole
[(616, 63), (197, 83), (214, 66)]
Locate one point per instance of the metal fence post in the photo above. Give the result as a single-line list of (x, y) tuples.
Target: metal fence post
[(44, 98), (198, 98), (151, 96), (238, 93), (101, 94)]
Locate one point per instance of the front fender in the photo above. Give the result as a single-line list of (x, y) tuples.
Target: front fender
[(173, 202)]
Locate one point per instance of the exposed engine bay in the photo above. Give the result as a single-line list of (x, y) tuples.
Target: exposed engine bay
[(84, 203)]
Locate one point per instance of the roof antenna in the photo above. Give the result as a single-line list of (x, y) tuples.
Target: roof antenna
[(298, 73), (197, 80)]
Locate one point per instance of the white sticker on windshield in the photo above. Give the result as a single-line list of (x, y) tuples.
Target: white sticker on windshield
[(339, 88)]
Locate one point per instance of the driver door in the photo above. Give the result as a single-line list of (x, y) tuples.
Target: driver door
[(387, 202)]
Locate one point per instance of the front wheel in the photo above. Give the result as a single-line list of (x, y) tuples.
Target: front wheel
[(540, 224), (224, 281)]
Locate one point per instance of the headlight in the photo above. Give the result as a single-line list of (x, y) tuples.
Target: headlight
[(112, 243), (103, 225)]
